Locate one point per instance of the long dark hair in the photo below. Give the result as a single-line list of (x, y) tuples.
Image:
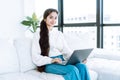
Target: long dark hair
[(44, 37)]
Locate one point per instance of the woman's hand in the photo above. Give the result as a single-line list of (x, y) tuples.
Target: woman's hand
[(57, 60), (84, 61)]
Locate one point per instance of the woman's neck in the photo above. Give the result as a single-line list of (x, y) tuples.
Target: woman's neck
[(50, 28)]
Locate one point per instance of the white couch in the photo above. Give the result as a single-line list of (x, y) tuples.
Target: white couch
[(106, 63), (103, 61), (16, 63)]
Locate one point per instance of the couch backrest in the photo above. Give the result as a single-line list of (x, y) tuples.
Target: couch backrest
[(23, 47), (106, 54), (8, 57), (78, 40), (15, 55)]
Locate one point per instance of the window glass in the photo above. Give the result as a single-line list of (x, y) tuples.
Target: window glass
[(80, 37), (79, 11), (112, 38), (111, 11)]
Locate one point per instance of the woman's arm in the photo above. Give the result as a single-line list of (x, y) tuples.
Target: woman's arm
[(38, 59)]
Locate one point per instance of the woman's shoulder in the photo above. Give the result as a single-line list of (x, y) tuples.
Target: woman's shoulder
[(58, 34), (56, 31)]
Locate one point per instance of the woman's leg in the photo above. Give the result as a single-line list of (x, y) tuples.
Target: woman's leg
[(69, 72), (83, 71)]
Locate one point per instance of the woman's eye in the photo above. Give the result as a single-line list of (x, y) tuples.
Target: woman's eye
[(51, 17)]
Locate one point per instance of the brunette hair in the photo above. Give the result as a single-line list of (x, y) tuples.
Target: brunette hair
[(44, 37)]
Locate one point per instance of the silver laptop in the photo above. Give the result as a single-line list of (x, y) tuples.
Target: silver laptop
[(78, 56)]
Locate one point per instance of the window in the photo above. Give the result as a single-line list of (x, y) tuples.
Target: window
[(79, 11), (111, 11), (80, 16), (111, 21), (86, 36), (111, 38)]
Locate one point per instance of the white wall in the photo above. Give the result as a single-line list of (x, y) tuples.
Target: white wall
[(12, 12)]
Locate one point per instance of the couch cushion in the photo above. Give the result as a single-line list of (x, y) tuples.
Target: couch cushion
[(45, 76), (49, 76), (23, 47), (93, 75), (19, 76), (8, 57), (2, 78), (106, 69)]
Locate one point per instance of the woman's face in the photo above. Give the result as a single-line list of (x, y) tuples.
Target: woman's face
[(51, 19)]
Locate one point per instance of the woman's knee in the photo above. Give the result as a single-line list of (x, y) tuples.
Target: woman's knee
[(72, 68), (81, 65)]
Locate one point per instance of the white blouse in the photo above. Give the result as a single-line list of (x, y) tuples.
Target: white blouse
[(58, 46)]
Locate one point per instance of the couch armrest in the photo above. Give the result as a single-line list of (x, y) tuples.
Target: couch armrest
[(106, 54)]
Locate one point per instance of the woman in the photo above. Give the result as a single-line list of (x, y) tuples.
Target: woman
[(50, 49)]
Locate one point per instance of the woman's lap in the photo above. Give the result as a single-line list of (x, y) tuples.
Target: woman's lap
[(59, 69), (69, 72), (77, 72)]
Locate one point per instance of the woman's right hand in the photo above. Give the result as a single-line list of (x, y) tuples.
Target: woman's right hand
[(57, 60), (84, 61)]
